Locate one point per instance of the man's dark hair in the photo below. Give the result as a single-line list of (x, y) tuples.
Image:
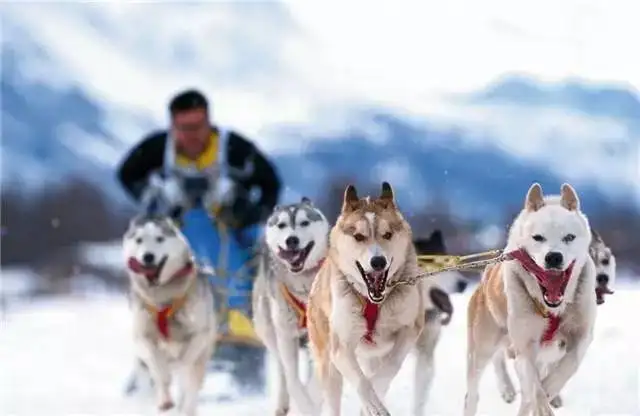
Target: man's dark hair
[(188, 100)]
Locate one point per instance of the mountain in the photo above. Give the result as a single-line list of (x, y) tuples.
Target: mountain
[(481, 153)]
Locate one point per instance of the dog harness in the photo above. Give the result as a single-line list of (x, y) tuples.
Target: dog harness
[(549, 281), (298, 306), (165, 312), (370, 312), (553, 322)]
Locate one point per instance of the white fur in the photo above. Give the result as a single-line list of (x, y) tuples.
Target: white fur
[(193, 327), (542, 370), (275, 323)]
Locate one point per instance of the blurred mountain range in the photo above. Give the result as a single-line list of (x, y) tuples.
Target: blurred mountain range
[(481, 154)]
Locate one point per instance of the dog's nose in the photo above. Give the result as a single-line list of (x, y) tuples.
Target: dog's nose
[(148, 258), (292, 242), (602, 279), (553, 259), (461, 285), (378, 262)]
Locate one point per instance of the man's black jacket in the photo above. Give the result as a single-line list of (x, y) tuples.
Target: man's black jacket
[(148, 157)]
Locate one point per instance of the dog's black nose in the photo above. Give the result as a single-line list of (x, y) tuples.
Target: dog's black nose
[(602, 279), (553, 259), (148, 258), (461, 285), (378, 263), (292, 242)]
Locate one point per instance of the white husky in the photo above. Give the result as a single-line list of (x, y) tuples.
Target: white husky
[(541, 305), (297, 243), (173, 310)]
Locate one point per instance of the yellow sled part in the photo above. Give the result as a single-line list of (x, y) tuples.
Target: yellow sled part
[(240, 330)]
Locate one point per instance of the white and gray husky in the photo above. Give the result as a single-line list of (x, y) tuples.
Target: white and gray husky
[(296, 245), (175, 325)]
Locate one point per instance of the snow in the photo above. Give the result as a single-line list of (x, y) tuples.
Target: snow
[(72, 355)]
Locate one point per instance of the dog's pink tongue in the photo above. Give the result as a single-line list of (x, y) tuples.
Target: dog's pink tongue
[(554, 286), (377, 281), (137, 267)]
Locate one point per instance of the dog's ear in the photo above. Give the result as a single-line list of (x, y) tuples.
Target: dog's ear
[(306, 200), (595, 236), (569, 198), (351, 199), (386, 195), (534, 200)]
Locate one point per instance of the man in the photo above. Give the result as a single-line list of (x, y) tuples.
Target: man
[(195, 148)]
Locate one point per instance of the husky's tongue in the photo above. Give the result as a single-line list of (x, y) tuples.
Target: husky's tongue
[(601, 290), (150, 272), (376, 282)]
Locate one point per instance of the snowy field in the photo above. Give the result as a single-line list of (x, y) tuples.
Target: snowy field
[(71, 356)]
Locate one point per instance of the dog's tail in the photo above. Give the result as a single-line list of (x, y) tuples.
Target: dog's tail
[(442, 301)]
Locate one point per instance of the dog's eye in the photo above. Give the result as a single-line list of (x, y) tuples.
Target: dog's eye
[(138, 240), (282, 225), (539, 238), (605, 262), (159, 239), (387, 235), (359, 237), (569, 238), (304, 224)]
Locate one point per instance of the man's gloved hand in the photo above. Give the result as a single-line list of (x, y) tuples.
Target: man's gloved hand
[(169, 188)]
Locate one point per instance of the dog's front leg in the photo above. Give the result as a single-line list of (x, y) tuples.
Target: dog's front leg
[(554, 382), (344, 358), (158, 366), (533, 396), (288, 349), (405, 340), (194, 361)]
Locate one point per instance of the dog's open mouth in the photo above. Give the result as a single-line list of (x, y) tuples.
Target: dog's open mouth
[(151, 272), (602, 289), (296, 257), (553, 287), (376, 282)]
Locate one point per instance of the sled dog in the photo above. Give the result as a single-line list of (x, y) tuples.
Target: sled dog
[(541, 305), (361, 323), (296, 245), (605, 263), (175, 325)]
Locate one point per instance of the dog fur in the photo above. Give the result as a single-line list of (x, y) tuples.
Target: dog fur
[(360, 327), (605, 263), (510, 310), (172, 306), (296, 245)]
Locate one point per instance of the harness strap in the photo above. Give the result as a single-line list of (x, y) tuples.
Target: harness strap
[(553, 322), (163, 313), (298, 306), (370, 312)]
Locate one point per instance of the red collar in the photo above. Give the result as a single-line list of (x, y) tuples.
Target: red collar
[(298, 306)]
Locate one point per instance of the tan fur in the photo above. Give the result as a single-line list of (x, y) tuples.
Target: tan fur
[(334, 310)]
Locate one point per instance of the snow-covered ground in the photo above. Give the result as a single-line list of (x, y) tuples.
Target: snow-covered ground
[(70, 356)]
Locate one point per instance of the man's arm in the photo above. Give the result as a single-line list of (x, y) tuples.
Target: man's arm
[(264, 175), (145, 158)]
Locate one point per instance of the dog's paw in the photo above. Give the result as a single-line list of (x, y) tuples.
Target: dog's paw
[(166, 405), (282, 411), (556, 402), (508, 394)]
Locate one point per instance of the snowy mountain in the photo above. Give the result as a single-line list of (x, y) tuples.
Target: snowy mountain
[(480, 148)]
